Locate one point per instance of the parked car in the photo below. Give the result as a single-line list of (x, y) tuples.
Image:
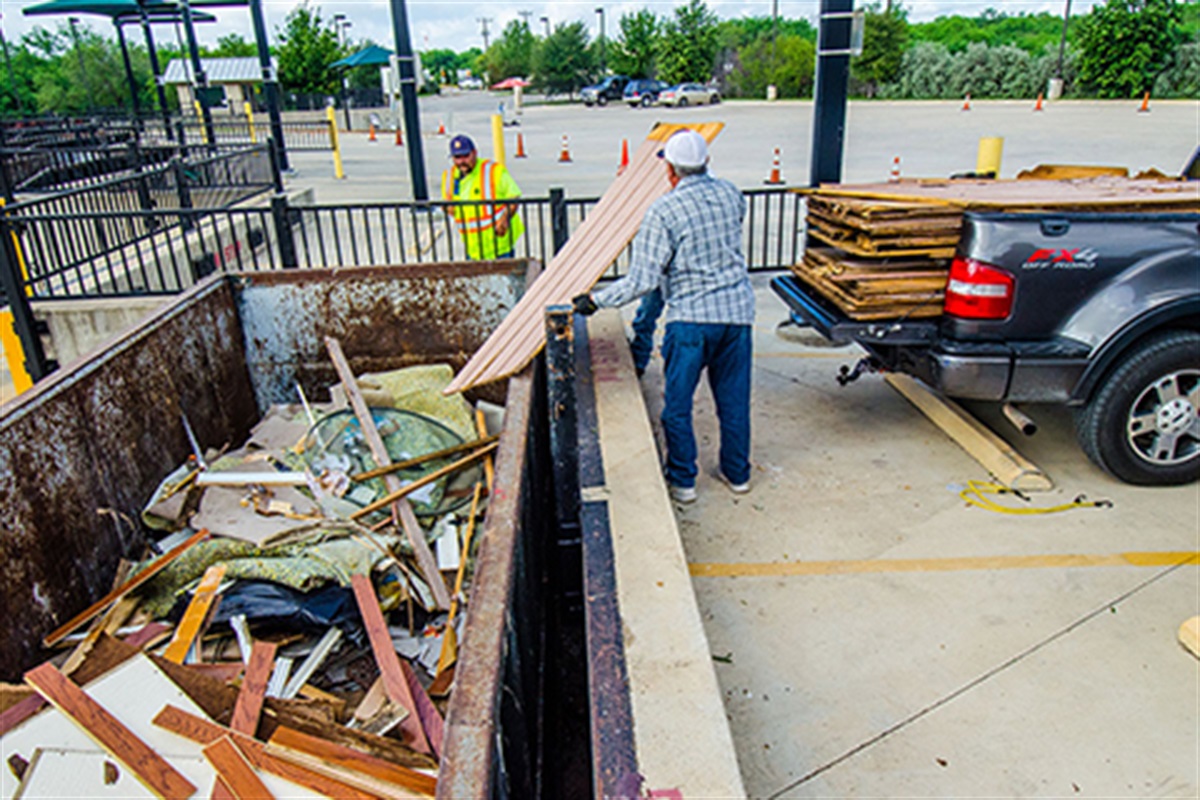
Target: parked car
[(471, 83), (644, 92), (686, 94), (611, 88)]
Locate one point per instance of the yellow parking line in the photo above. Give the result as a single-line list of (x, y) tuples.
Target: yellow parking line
[(779, 568)]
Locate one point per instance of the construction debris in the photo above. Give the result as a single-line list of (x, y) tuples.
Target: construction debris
[(257, 656)]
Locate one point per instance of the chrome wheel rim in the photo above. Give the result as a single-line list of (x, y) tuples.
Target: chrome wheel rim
[(1163, 427)]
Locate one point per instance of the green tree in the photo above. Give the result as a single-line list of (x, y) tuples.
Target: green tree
[(1030, 32), (234, 46), (74, 80), (885, 37), (308, 45), (513, 54), (1125, 44), (635, 53), (689, 44), (564, 62), (1182, 78), (443, 64), (791, 72)]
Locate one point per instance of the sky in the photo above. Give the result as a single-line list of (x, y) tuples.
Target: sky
[(455, 24)]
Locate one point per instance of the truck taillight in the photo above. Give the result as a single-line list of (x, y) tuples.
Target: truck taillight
[(978, 291)]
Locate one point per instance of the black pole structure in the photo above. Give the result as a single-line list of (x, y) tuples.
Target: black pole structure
[(1062, 42), (270, 84), (408, 97), (833, 75), (156, 70), (133, 94), (73, 22), (200, 86)]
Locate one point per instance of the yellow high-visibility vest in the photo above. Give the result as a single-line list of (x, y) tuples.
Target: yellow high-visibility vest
[(476, 220)]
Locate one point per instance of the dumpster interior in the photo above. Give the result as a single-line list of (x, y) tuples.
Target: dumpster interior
[(209, 541)]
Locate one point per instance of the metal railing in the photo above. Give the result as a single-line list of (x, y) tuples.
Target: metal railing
[(298, 135), (122, 249)]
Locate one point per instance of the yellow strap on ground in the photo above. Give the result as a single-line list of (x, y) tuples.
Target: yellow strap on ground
[(978, 494)]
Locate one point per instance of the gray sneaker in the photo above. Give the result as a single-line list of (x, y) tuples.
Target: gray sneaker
[(736, 488), (682, 494)]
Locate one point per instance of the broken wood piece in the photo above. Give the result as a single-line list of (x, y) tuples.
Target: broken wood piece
[(349, 765), (117, 740), (449, 652), (254, 688), (200, 730), (424, 480), (418, 460), (489, 464), (317, 657), (146, 574), (388, 662), (993, 453), (441, 685), (1189, 635), (376, 714), (279, 677), (111, 621), (264, 478), (431, 719), (235, 771), (402, 510), (148, 635), (196, 617)]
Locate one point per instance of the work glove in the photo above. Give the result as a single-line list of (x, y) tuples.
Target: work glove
[(584, 304)]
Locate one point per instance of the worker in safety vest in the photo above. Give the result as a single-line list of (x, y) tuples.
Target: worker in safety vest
[(489, 230)]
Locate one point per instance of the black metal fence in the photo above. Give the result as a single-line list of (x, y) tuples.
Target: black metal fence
[(298, 135), (67, 250)]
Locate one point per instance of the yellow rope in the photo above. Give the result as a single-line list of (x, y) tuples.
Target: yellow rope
[(976, 491)]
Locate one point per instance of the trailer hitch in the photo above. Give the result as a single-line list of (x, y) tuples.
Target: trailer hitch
[(865, 364)]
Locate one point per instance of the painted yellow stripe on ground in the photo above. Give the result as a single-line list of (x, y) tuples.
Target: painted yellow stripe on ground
[(779, 568)]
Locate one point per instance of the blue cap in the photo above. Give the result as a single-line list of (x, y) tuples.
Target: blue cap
[(461, 145)]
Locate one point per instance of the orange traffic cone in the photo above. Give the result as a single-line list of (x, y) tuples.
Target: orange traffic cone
[(774, 177), (399, 137), (565, 155), (371, 135), (967, 102), (520, 147), (1145, 103), (624, 156), (441, 128), (895, 176), (1038, 105)]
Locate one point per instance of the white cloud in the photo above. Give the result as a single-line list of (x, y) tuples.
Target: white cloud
[(454, 24)]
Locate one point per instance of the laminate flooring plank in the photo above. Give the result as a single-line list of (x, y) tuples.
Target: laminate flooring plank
[(196, 615), (254, 688), (235, 771)]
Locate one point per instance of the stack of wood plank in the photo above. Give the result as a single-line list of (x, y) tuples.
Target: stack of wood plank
[(883, 250)]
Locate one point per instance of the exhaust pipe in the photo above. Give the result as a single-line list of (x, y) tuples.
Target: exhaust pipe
[(1019, 419)]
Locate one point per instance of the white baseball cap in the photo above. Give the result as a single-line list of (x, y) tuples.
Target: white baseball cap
[(685, 148)]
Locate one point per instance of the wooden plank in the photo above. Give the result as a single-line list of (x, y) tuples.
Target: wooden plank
[(149, 767), (425, 480), (200, 730), (286, 742), (576, 268), (1189, 635), (412, 529), (146, 574), (235, 771), (431, 719), (419, 460), (196, 616), (254, 688), (993, 453), (388, 662)]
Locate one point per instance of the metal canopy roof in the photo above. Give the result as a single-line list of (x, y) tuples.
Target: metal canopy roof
[(158, 10), (217, 70), (373, 55)]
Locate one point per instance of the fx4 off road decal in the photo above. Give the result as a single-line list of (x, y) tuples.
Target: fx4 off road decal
[(1064, 258)]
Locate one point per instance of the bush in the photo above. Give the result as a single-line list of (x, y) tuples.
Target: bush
[(1182, 78)]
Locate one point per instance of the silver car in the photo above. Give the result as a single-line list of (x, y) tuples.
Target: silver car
[(685, 94)]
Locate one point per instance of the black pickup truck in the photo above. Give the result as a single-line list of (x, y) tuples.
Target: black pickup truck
[(1100, 311)]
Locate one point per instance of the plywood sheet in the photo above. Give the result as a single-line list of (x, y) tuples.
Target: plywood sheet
[(590, 251)]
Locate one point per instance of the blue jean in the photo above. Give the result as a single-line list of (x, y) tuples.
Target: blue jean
[(726, 351), (644, 323)]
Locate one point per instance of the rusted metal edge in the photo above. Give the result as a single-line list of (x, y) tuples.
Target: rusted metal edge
[(444, 269), (614, 749), (471, 735)]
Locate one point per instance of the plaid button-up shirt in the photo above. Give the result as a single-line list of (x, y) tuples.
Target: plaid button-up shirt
[(690, 244)]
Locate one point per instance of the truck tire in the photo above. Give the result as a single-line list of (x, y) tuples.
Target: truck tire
[(602, 101), (1143, 423)]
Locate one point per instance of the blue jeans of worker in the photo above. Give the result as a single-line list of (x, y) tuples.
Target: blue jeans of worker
[(725, 351), (644, 323)]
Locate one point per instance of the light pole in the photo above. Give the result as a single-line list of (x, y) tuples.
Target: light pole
[(74, 23), (1056, 83), (546, 22), (603, 60), (483, 22), (340, 21)]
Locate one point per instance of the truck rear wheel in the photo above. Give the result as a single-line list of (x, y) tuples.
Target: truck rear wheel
[(601, 101), (1143, 423)]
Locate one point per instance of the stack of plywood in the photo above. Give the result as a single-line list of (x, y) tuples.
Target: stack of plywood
[(883, 250)]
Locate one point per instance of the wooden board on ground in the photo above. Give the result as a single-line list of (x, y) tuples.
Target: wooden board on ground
[(1189, 635), (993, 453), (594, 246)]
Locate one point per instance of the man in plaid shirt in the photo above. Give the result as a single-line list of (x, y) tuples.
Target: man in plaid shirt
[(690, 245)]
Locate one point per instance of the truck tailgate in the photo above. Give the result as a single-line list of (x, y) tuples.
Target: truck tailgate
[(809, 309)]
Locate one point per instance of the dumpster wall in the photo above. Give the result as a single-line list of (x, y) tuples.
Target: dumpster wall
[(81, 452)]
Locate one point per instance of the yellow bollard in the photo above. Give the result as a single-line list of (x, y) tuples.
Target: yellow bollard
[(498, 139), (14, 354), (200, 119), (988, 160), (250, 121), (21, 263), (338, 172)]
